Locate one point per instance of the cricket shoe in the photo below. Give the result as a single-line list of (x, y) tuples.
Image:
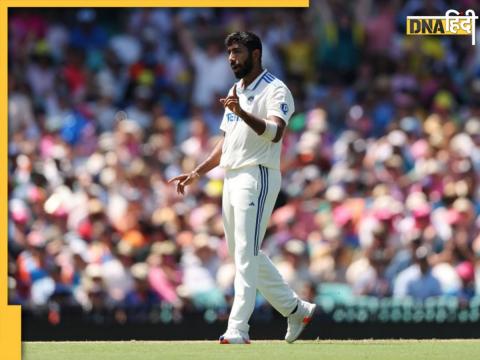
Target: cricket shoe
[(234, 336), (298, 320)]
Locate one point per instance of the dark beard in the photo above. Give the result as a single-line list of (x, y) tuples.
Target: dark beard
[(245, 69)]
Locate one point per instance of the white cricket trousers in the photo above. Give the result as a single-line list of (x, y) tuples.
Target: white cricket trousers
[(249, 195)]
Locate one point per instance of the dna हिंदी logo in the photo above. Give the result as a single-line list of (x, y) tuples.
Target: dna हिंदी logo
[(453, 23)]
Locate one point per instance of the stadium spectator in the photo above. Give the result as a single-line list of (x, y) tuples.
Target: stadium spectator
[(417, 281)]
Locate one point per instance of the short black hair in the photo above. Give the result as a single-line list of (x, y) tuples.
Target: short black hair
[(247, 39)]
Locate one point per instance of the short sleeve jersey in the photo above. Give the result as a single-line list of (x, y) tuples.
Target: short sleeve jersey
[(265, 96)]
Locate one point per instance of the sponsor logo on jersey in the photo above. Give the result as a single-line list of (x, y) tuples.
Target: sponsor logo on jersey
[(232, 117)]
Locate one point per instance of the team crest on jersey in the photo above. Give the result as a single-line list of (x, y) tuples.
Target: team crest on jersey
[(284, 108), (250, 99)]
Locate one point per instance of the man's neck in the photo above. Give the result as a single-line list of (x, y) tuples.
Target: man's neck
[(247, 80)]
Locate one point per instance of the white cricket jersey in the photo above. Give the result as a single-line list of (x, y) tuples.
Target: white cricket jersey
[(265, 96)]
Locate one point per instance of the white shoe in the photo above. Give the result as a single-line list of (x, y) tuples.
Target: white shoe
[(298, 320), (234, 336)]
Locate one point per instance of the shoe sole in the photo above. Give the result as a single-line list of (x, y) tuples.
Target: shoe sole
[(224, 341), (306, 320)]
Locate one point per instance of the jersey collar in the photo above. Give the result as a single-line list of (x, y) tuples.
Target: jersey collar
[(257, 80)]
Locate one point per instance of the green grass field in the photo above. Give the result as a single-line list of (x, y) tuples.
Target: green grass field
[(277, 350)]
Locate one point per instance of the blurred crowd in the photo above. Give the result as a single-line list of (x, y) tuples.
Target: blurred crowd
[(380, 164)]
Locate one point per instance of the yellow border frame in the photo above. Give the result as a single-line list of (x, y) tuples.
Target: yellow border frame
[(10, 320), (10, 316), (155, 3)]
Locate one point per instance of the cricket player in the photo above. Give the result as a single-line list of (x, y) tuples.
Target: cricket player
[(257, 110)]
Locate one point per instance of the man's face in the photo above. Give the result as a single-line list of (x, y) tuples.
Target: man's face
[(241, 60)]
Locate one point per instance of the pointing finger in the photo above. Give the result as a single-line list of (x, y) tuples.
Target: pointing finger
[(230, 102), (235, 90)]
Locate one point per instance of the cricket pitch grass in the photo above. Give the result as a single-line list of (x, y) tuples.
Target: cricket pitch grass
[(263, 350)]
